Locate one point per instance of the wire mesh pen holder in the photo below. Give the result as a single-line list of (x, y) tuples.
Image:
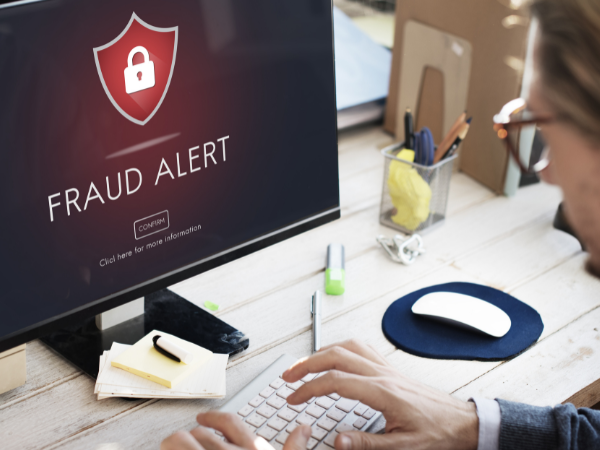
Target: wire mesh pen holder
[(414, 197)]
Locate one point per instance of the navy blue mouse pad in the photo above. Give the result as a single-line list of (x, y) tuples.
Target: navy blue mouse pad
[(430, 339)]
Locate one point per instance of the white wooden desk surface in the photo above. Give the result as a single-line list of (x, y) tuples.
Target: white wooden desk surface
[(505, 243)]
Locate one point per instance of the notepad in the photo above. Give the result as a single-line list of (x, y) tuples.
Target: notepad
[(207, 381), (143, 360)]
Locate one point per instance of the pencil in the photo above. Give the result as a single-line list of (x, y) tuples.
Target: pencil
[(450, 138), (461, 137)]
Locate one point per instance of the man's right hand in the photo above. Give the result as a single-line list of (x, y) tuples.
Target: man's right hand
[(418, 417), (235, 431)]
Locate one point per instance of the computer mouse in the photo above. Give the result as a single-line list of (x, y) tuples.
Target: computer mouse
[(463, 311)]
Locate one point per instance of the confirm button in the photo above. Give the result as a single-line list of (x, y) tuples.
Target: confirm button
[(151, 224)]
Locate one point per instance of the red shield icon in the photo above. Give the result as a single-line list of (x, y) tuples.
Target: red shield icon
[(136, 68)]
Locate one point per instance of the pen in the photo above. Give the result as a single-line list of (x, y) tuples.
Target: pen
[(409, 139), (316, 313)]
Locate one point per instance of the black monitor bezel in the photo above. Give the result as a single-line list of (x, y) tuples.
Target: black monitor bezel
[(99, 306)]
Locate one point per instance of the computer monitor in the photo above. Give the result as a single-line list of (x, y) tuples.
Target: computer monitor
[(143, 142)]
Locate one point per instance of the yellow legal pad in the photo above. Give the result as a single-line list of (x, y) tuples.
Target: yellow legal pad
[(143, 360)]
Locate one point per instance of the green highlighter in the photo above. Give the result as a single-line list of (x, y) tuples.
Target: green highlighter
[(335, 274)]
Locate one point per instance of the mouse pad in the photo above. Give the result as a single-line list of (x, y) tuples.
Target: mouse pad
[(430, 339)]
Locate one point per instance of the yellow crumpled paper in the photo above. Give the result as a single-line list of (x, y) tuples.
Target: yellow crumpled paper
[(409, 192)]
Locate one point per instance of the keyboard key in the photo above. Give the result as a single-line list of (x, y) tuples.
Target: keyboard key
[(276, 402), (298, 408), (336, 414), (277, 383), (327, 423), (319, 433), (330, 440), (315, 411), (267, 432), (245, 410), (312, 443), (287, 414), (218, 433), (360, 422), (346, 404), (322, 446), (334, 396), (267, 392), (326, 402), (255, 420), (282, 438), (369, 414), (278, 424), (342, 427), (309, 377), (291, 427), (295, 385), (285, 392), (360, 409), (250, 427), (310, 400), (256, 401), (266, 411), (304, 419), (276, 445)]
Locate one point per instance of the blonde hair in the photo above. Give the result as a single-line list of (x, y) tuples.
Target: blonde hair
[(569, 59)]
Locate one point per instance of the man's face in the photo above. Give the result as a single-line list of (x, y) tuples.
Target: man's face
[(575, 167)]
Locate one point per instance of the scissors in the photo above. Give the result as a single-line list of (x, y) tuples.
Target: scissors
[(424, 147)]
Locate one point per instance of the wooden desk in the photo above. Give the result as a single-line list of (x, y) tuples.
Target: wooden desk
[(506, 243)]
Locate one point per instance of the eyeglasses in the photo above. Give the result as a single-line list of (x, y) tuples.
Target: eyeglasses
[(515, 123)]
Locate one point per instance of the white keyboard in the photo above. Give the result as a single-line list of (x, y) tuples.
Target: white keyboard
[(263, 407)]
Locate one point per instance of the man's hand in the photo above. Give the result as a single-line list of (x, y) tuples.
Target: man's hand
[(234, 430), (418, 417)]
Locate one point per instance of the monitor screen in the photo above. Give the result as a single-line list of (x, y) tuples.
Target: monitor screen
[(144, 141)]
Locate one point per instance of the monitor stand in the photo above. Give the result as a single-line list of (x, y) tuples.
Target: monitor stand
[(83, 343), (120, 314)]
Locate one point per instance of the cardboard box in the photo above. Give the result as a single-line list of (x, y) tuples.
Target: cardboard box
[(499, 46), (13, 368)]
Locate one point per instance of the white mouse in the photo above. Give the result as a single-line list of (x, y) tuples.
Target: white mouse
[(463, 311)]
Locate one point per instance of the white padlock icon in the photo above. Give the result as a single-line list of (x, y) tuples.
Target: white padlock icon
[(140, 76)]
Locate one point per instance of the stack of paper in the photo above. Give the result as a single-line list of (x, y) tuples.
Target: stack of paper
[(204, 379)]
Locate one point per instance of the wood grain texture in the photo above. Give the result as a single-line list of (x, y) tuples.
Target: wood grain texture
[(537, 247), (507, 243), (44, 369), (586, 397), (56, 413), (554, 370)]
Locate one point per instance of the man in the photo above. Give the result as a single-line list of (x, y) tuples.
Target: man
[(565, 99)]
